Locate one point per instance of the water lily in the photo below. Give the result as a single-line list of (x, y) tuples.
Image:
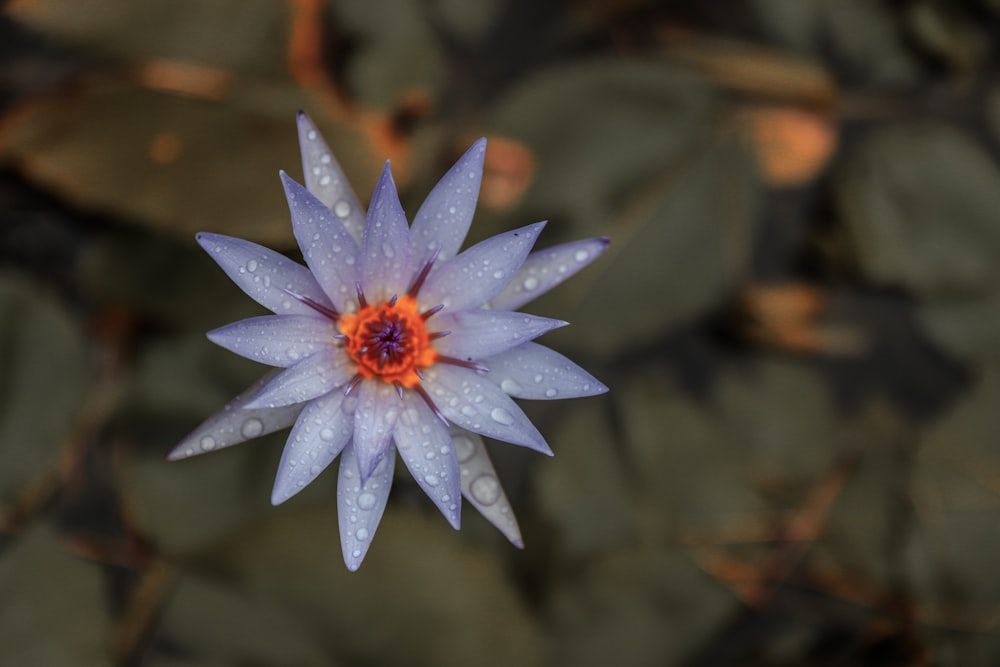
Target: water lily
[(391, 340)]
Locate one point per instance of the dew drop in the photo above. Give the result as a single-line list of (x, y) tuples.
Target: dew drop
[(388, 250), (325, 158), (464, 448), (501, 416), (356, 553), (366, 501), (581, 255), (361, 534), (312, 135), (431, 480), (468, 411), (252, 428), (510, 386), (551, 392), (485, 489), (538, 378), (324, 181), (326, 434), (530, 283), (342, 208), (498, 274), (207, 443), (252, 265)]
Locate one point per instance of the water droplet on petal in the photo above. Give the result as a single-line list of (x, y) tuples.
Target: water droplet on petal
[(468, 411), (431, 480), (538, 378), (252, 265), (366, 501), (324, 181), (252, 428), (361, 534), (485, 489), (342, 208), (326, 434), (581, 255), (207, 443), (388, 250), (501, 416), (530, 283), (551, 392), (498, 274), (464, 448), (510, 386)]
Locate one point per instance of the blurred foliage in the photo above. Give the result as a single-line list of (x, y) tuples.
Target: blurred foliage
[(798, 317)]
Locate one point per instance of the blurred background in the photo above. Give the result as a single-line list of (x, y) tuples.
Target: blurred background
[(799, 319)]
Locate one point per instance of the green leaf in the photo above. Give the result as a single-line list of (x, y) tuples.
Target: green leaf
[(54, 610), (220, 624), (635, 606), (919, 203), (46, 372), (445, 603)]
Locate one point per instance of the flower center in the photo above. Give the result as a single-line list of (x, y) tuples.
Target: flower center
[(388, 341)]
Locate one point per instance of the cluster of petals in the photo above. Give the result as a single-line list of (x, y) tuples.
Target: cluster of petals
[(392, 340)]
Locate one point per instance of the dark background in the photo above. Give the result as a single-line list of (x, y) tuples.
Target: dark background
[(799, 319)]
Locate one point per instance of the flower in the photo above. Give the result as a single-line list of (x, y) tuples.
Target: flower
[(392, 339)]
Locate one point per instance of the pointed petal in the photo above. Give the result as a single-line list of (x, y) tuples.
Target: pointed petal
[(387, 264), (276, 340), (444, 218), (545, 269), (374, 420), (314, 376), (264, 274), (320, 433), (480, 333), (481, 486), (537, 372), (235, 424), (424, 444), (478, 405), (481, 272), (326, 180), (330, 251), (360, 507)]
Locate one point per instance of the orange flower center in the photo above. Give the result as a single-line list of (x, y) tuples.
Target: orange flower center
[(388, 341)]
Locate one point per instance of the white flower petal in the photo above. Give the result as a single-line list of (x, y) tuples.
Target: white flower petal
[(478, 405), (360, 507), (374, 420), (480, 333), (320, 433), (264, 274), (545, 269), (424, 444), (276, 340), (481, 486), (314, 376), (387, 262), (444, 218), (480, 273), (330, 251), (536, 372), (235, 424), (326, 181)]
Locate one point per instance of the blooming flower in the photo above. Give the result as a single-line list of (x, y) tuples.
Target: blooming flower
[(392, 339)]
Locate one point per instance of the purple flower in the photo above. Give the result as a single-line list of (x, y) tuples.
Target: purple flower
[(393, 339)]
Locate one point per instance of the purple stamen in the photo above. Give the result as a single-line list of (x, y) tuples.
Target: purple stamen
[(354, 382), (463, 363), (418, 282), (427, 399), (426, 315), (318, 307), (361, 295)]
